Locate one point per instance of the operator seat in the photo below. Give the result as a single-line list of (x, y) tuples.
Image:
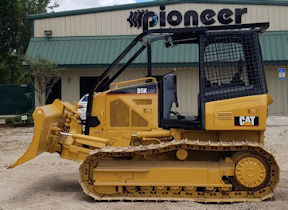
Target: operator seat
[(169, 94)]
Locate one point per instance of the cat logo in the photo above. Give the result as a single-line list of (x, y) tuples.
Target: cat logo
[(246, 121), (142, 90)]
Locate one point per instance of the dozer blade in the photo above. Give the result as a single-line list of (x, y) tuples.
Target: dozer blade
[(45, 118)]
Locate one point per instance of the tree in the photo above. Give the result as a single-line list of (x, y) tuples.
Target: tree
[(15, 34), (43, 75), (9, 32), (29, 7), (9, 26)]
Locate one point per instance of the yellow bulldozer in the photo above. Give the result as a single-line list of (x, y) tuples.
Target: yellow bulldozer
[(137, 145)]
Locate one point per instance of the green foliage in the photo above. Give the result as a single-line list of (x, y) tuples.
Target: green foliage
[(9, 32), (9, 120), (29, 120), (29, 112), (3, 72), (17, 120), (10, 69), (9, 26), (28, 7), (15, 33)]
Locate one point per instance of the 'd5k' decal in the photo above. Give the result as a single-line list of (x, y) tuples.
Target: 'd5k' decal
[(246, 121), (142, 90)]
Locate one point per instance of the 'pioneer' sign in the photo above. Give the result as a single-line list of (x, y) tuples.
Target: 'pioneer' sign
[(146, 19)]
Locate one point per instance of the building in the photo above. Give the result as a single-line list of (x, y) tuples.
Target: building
[(86, 41)]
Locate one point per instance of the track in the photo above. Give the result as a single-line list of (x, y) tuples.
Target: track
[(235, 194)]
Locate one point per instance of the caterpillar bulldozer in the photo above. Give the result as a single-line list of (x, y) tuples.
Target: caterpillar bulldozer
[(135, 146)]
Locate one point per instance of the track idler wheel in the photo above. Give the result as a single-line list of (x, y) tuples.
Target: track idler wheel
[(251, 171)]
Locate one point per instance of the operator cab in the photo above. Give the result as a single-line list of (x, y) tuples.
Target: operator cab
[(230, 66), (229, 61), (169, 115)]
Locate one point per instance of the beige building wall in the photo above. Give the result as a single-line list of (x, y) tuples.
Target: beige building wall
[(278, 90), (115, 22)]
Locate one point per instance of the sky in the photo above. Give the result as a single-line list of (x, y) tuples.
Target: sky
[(84, 4)]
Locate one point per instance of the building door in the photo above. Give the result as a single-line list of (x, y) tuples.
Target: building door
[(55, 92), (86, 84)]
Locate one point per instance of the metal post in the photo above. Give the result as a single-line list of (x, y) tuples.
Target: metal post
[(149, 59)]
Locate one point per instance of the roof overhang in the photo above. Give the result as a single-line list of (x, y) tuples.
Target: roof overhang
[(100, 51)]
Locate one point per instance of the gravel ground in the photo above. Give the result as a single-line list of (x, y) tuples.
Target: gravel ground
[(49, 182)]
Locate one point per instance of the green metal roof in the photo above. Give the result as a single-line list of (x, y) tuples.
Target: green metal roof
[(274, 46), (155, 3), (99, 51)]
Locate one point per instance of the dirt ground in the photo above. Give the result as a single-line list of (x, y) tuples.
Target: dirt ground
[(49, 182)]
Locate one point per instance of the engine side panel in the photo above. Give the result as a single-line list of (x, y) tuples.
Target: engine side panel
[(244, 113), (129, 110)]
